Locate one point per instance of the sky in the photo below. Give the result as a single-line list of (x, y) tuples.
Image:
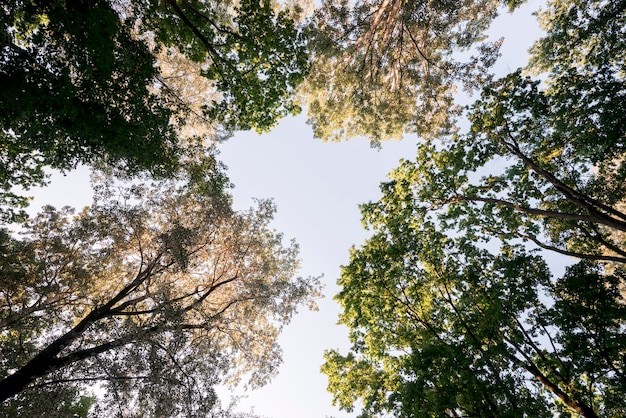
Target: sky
[(317, 188)]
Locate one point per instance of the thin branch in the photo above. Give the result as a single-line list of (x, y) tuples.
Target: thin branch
[(577, 406), (119, 310), (212, 22), (523, 209), (89, 379), (583, 201), (89, 352), (180, 99), (427, 60), (374, 25), (207, 44), (566, 382), (599, 238), (582, 256), (554, 349), (192, 381), (209, 292)]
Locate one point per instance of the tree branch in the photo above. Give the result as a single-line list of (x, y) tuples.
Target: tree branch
[(582, 256), (577, 406), (593, 206), (46, 361), (524, 209), (203, 39)]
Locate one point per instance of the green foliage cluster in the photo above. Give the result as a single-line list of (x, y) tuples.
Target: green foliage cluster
[(256, 55), (81, 82), (451, 304), (75, 90), (159, 291)]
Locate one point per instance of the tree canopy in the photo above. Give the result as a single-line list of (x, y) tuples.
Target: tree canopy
[(153, 295), (452, 306), (114, 82), (384, 68), (145, 301)]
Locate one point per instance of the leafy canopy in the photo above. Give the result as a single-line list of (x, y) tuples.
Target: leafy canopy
[(452, 308), (154, 294), (387, 67), (117, 83)]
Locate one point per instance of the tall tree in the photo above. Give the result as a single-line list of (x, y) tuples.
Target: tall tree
[(451, 306), (442, 327), (109, 82), (154, 294), (383, 68), (253, 52)]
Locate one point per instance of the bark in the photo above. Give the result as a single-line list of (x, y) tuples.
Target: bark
[(607, 215), (47, 360), (577, 406)]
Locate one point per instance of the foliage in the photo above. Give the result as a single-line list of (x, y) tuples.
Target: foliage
[(110, 82), (255, 54), (154, 295), (75, 89), (62, 402), (586, 34), (384, 68), (441, 327), (584, 51), (451, 305), (546, 180)]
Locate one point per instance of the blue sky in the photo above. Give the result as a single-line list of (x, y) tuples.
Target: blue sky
[(317, 188)]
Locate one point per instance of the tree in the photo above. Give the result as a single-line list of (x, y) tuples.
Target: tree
[(384, 68), (452, 308), (255, 54), (100, 82), (154, 295), (441, 327)]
